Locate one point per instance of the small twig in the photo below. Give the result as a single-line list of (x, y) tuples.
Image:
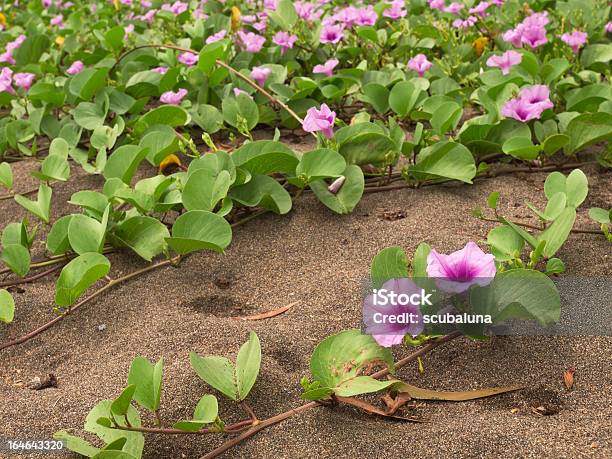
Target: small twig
[(27, 280), (232, 428), (527, 225), (248, 410)]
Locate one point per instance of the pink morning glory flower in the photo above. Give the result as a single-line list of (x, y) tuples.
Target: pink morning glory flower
[(308, 11), (260, 74), (161, 70), (270, 4), (609, 27), (465, 24), (188, 58), (250, 41), (575, 40), (6, 79), (331, 33), (514, 37), (388, 334), (24, 80), (320, 120), (419, 64), (238, 91), (176, 8), (173, 98), (284, 40), (57, 21), (366, 16), (505, 61), (396, 10), (336, 185), (15, 44), (216, 37), (76, 67), (327, 68), (481, 9), (453, 8), (8, 58), (457, 272), (529, 104), (534, 36)]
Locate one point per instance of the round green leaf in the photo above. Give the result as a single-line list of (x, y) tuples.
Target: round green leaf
[(198, 230), (78, 275)]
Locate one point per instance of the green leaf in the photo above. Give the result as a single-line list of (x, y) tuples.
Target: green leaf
[(554, 183), (555, 206), (518, 294), (147, 377), (57, 239), (419, 260), (596, 56), (205, 188), (88, 82), (78, 275), (217, 372), (403, 97), (42, 206), (89, 115), (93, 202), (247, 365), (389, 263), (121, 404), (208, 117), (368, 148), (144, 235), (376, 95), (263, 191), (241, 106), (361, 385), (53, 167), (600, 215), (521, 148), (285, 15), (113, 38), (209, 55), (320, 164), (124, 161), (31, 49), (587, 129), (76, 444), (6, 175), (345, 200), (446, 117), (206, 412), (506, 244), (161, 141), (17, 258), (199, 230), (554, 266), (554, 143), (171, 115), (265, 157), (7, 307), (134, 440), (87, 234), (492, 199), (576, 188), (448, 160), (556, 234), (339, 359)]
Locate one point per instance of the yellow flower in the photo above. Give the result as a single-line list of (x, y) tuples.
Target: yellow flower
[(168, 161), (480, 44), (2, 20), (235, 18), (59, 40)]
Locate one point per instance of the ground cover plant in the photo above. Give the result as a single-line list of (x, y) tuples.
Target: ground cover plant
[(183, 110)]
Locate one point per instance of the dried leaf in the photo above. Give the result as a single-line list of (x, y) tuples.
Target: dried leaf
[(371, 409), (169, 161), (269, 314), (568, 378), (394, 404), (426, 394)]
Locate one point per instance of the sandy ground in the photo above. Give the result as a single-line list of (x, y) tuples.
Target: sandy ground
[(320, 259)]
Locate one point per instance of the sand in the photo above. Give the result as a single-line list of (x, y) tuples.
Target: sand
[(319, 259)]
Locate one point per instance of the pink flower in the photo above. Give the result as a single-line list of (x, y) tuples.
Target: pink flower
[(331, 34), (76, 67), (327, 68), (453, 8), (216, 37), (534, 36), (575, 40), (161, 70), (529, 104), (609, 27), (308, 11), (284, 40), (176, 8), (58, 21), (270, 4), (188, 58), (320, 120), (436, 4), (173, 98), (336, 185), (481, 9), (386, 333), (505, 61), (514, 37), (6, 80), (24, 80), (250, 41), (128, 30), (396, 10), (146, 4), (465, 24), (419, 64), (260, 74), (238, 91), (15, 44), (366, 16), (8, 58), (457, 272)]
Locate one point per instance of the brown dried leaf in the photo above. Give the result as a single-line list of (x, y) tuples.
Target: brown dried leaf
[(426, 394), (269, 314), (371, 409), (568, 378)]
